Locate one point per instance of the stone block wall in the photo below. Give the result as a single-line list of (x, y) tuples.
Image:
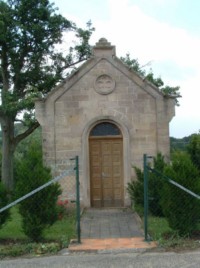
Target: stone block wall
[(72, 109)]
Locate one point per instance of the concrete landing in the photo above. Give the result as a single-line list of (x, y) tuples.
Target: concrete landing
[(105, 230), (111, 244)]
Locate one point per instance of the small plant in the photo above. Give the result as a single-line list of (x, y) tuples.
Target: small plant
[(21, 248), (56, 237), (136, 188), (62, 206)]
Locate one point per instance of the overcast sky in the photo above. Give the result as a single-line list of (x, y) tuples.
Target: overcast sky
[(165, 33)]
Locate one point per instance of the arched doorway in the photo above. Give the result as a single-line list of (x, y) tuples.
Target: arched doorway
[(106, 166)]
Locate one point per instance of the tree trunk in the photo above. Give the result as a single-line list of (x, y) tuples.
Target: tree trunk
[(7, 152)]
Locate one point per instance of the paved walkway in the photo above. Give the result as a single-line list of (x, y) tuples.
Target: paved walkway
[(110, 223), (110, 229)]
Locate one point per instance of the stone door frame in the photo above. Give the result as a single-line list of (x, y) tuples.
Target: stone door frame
[(85, 177)]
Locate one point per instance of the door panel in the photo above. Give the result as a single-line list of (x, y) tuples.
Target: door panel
[(95, 162), (106, 172)]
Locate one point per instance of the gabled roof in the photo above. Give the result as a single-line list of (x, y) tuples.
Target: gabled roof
[(104, 50)]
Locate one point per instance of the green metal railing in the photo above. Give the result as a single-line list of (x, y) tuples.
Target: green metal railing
[(146, 198), (56, 179), (147, 169), (78, 211)]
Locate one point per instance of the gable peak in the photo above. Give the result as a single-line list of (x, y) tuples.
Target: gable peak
[(103, 48)]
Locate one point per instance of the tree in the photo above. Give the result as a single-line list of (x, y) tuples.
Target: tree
[(180, 144), (134, 65), (31, 64), (4, 200)]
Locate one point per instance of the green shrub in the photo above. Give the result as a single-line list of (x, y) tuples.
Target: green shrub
[(136, 188), (194, 150), (155, 183), (180, 208), (155, 186), (4, 200), (40, 210)]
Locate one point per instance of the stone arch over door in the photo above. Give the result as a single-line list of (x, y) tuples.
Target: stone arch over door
[(86, 185), (106, 166)]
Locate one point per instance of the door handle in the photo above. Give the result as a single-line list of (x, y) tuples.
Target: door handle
[(104, 175)]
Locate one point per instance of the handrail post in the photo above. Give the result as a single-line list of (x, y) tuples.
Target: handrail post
[(78, 199), (145, 197)]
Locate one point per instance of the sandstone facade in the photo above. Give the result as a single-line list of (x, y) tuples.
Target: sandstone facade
[(103, 90)]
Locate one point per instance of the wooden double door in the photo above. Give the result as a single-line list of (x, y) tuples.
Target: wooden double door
[(106, 172)]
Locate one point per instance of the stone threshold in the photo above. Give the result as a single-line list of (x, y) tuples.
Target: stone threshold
[(110, 244)]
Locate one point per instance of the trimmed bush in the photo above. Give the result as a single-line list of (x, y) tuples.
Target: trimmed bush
[(40, 210), (180, 208), (155, 183), (155, 186), (136, 188)]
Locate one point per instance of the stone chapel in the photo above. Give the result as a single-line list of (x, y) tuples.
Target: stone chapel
[(109, 116)]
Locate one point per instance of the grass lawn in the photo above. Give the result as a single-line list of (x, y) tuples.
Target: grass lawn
[(14, 242), (158, 227)]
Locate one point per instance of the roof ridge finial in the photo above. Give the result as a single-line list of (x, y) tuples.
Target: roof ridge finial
[(103, 48), (103, 42)]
